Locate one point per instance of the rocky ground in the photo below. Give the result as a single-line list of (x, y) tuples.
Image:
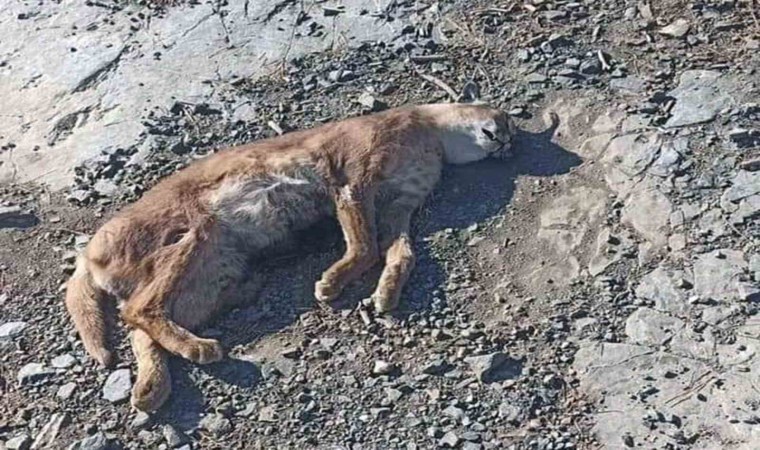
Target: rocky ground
[(599, 291)]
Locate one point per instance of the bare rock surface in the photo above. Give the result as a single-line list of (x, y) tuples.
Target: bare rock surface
[(104, 68)]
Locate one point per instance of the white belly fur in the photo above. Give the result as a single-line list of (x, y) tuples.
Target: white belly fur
[(256, 213)]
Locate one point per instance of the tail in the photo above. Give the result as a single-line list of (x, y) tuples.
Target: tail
[(84, 300)]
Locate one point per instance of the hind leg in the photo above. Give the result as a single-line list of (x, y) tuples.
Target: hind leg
[(151, 317), (153, 384), (150, 310), (150, 306)]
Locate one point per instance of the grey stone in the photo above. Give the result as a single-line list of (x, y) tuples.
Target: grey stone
[(46, 438), (573, 63), (744, 184), (712, 224), (66, 391), (652, 328), (718, 276), (627, 158), (660, 287), (15, 217), (555, 14), (455, 413), (267, 414), (667, 161), (80, 196), (393, 395), (591, 67), (449, 440), (629, 84), (648, 210), (20, 442), (436, 367), (382, 368), (754, 263), (141, 420), (635, 122), (603, 257), (494, 367), (245, 112), (677, 29), (510, 412), (535, 78), (616, 371), (370, 102), (749, 208), (523, 55), (97, 441), (563, 226), (173, 437), (700, 96), (63, 361), (117, 386), (738, 134), (11, 330), (216, 424), (106, 188), (742, 199), (33, 374)]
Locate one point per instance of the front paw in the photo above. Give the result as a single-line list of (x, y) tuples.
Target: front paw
[(383, 303), (325, 292)]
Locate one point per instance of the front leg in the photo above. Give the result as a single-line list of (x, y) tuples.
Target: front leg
[(399, 255), (355, 209)]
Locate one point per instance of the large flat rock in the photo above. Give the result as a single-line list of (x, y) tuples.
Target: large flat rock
[(77, 79), (700, 96)]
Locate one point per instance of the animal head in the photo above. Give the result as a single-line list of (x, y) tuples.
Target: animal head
[(471, 132)]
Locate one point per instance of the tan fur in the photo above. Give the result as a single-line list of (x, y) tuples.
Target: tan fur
[(170, 255)]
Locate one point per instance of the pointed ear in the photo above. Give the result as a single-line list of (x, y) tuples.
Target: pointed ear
[(470, 93)]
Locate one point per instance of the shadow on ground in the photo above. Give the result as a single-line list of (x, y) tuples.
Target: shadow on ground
[(466, 195)]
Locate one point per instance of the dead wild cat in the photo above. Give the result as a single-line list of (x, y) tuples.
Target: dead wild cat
[(167, 257)]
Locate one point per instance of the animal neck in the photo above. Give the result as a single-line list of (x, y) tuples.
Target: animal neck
[(456, 131)]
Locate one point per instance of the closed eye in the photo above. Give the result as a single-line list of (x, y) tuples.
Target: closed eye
[(489, 134)]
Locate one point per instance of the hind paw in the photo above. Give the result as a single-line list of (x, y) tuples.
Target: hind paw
[(203, 351), (148, 395)]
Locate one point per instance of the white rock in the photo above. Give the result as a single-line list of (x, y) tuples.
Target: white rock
[(118, 386), (66, 391), (33, 373), (10, 330), (48, 434), (648, 210), (677, 29), (718, 276), (382, 367), (63, 361)]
